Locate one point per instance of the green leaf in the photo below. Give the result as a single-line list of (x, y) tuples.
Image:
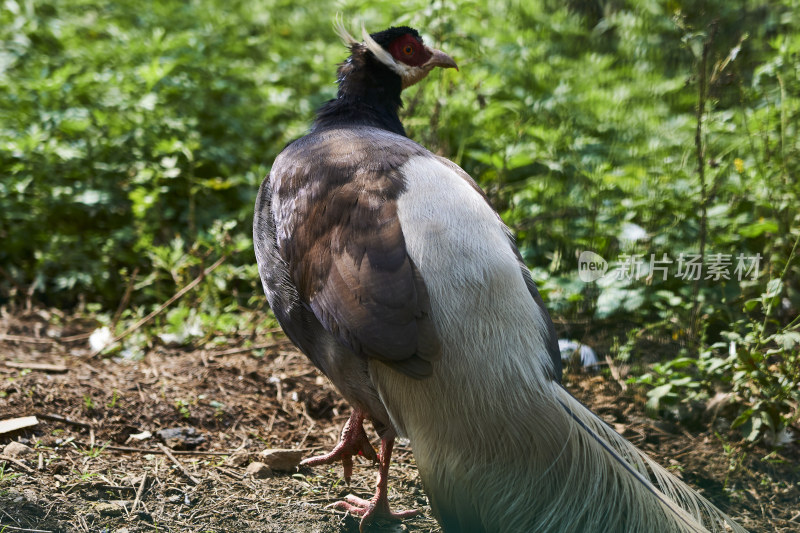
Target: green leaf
[(758, 228), (743, 417), (774, 288), (751, 304), (787, 340), (656, 395)]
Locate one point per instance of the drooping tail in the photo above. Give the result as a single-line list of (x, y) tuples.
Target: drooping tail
[(689, 511)]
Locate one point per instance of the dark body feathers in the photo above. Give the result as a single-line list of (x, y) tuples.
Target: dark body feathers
[(332, 257)]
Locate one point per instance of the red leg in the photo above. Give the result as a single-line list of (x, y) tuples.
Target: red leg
[(377, 508), (354, 441)]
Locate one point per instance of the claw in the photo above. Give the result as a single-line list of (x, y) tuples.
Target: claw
[(354, 441), (372, 510), (377, 508)]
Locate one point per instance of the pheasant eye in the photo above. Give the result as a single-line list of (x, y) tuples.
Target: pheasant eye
[(408, 50)]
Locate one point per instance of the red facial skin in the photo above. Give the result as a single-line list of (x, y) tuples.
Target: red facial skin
[(409, 50)]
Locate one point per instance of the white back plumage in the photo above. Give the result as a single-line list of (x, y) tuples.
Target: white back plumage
[(500, 446)]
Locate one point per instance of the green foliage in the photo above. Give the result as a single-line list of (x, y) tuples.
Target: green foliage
[(114, 399), (88, 403), (133, 141), (762, 375), (94, 451), (761, 370), (6, 478), (183, 408), (127, 129)]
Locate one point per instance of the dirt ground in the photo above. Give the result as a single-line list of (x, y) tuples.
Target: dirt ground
[(91, 465)]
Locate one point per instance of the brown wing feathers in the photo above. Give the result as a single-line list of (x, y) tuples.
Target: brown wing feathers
[(347, 254)]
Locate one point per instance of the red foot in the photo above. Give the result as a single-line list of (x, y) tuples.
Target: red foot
[(354, 441), (373, 510), (377, 508)]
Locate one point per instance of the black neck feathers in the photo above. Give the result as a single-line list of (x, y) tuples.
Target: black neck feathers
[(369, 95)]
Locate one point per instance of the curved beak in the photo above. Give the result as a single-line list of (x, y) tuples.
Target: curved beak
[(439, 59)]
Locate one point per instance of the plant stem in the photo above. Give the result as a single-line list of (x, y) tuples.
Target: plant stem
[(769, 305), (702, 95)]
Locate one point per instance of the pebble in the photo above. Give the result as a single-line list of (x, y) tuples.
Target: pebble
[(239, 459), (181, 438), (258, 470), (16, 449), (108, 509), (282, 460)]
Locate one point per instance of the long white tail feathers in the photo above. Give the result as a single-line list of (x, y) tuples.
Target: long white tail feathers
[(691, 511)]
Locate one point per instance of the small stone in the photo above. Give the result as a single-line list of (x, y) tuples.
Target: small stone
[(181, 438), (239, 459), (16, 449), (282, 460), (109, 509), (258, 470)]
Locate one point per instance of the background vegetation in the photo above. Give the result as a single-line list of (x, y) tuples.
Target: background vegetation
[(133, 138)]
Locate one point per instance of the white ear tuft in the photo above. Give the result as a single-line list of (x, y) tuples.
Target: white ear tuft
[(341, 31), (382, 55)]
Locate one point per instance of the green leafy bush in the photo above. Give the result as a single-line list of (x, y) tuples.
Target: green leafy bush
[(133, 141)]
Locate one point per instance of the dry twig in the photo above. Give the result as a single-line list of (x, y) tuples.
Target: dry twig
[(4, 527), (125, 297), (44, 367), (43, 340), (177, 463), (20, 464), (139, 492), (59, 418), (241, 349), (150, 450)]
